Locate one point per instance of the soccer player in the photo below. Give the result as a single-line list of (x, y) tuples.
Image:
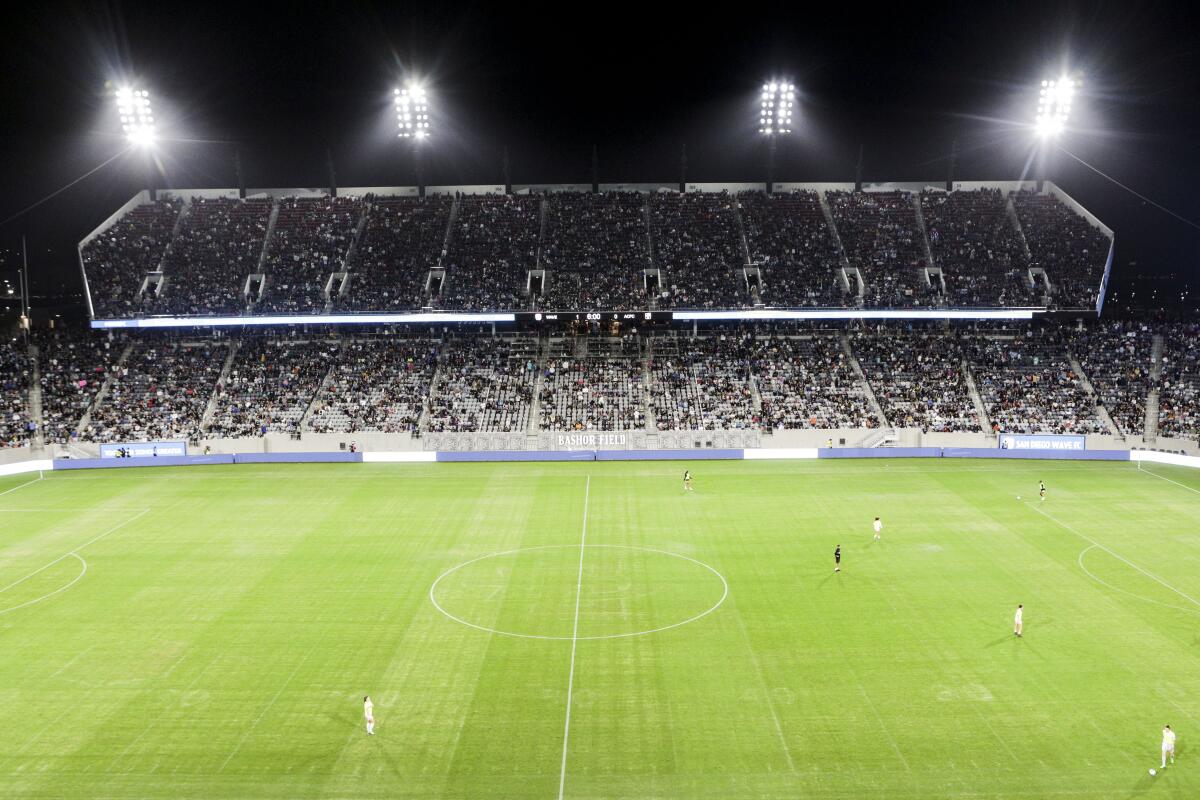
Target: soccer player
[(1042, 490), (878, 528), (837, 559), (1018, 625), (687, 480), (1168, 745), (369, 713)]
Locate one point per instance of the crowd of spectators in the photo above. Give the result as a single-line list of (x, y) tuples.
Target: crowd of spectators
[(595, 248), (1116, 357), (1027, 385), (698, 247), (116, 261), (977, 246), (1179, 394), (310, 241), (483, 384), (1072, 251), (159, 393), (790, 240), (269, 387), (219, 245), (377, 385), (73, 366), (701, 383), (881, 237), (918, 380), (16, 426), (807, 383), (493, 245), (401, 243), (592, 394)]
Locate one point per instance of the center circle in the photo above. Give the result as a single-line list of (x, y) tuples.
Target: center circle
[(622, 591)]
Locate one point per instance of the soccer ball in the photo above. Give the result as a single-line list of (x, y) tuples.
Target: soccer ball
[(1018, 497), (1152, 772)]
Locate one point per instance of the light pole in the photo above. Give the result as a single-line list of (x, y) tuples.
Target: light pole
[(412, 120), (775, 119)]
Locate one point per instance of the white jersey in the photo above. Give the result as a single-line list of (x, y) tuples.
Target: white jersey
[(1168, 739), (878, 526), (368, 709), (1017, 616)]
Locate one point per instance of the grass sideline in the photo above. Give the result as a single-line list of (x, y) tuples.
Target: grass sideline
[(231, 619)]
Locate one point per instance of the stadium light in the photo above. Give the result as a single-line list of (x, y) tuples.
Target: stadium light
[(137, 116), (1054, 106), (775, 106), (412, 112)]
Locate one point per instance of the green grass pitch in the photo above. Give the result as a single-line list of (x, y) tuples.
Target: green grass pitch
[(209, 632)]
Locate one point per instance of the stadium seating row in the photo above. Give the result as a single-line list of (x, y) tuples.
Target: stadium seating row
[(615, 250)]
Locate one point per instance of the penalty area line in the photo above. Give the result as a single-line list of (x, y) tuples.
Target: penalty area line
[(1116, 555), (23, 485)]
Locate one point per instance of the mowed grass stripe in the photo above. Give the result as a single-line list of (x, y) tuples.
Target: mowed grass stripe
[(258, 605)]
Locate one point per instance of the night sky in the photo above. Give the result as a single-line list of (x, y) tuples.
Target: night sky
[(284, 82)]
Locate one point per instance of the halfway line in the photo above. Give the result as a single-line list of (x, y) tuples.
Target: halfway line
[(562, 777)]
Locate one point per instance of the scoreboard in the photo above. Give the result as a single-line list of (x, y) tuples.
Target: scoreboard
[(624, 317)]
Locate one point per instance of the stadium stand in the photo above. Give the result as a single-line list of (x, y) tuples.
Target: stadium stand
[(218, 247), (917, 380), (880, 234), (16, 427), (790, 240), (595, 250), (159, 393), (1179, 399), (1116, 357), (73, 367), (378, 385), (401, 243), (978, 248), (1071, 250), (698, 247), (493, 245), (592, 394), (1027, 385), (311, 241), (483, 384), (269, 387), (807, 382), (116, 261), (701, 383)]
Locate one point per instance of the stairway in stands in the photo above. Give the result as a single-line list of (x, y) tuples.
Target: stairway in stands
[(1150, 433)]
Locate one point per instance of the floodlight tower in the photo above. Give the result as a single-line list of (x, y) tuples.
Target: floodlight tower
[(412, 119), (1053, 111), (775, 119), (137, 122)]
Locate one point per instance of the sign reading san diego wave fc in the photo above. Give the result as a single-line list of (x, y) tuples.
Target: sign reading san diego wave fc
[(1017, 441)]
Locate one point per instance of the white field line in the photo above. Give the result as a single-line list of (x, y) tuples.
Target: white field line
[(74, 552), (22, 486), (1116, 555), (883, 725), (1164, 478), (562, 777), (59, 590), (787, 753), (263, 713), (1107, 585)]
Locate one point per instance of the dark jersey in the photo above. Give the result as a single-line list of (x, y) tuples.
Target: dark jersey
[(837, 554)]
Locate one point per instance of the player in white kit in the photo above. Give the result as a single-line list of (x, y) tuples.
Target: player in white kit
[(878, 528), (1017, 623), (369, 713), (1168, 745)]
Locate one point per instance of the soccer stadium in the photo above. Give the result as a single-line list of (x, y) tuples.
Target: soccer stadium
[(437, 484)]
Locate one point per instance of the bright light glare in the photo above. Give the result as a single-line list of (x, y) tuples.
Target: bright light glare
[(412, 111), (137, 117), (775, 108), (1054, 106)]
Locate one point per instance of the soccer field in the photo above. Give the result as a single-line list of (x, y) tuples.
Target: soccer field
[(593, 631)]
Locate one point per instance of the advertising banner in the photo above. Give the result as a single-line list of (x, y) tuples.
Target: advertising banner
[(1042, 441), (143, 449)]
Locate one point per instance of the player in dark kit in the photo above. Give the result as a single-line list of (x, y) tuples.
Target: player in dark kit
[(837, 559), (687, 480), (1042, 489)]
